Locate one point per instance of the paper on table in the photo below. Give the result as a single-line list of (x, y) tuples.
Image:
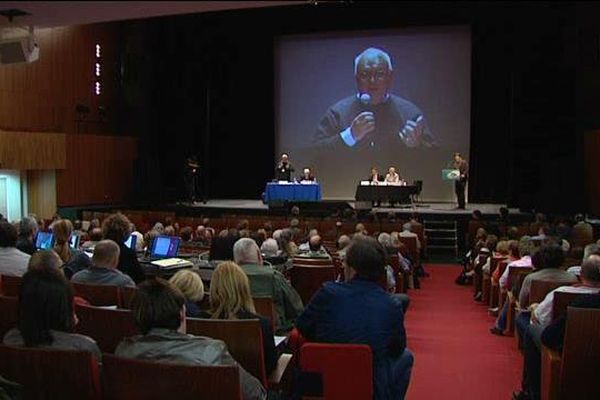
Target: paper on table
[(279, 340)]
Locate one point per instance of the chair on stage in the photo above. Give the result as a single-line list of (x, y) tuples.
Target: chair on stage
[(336, 363), (51, 374), (573, 374), (107, 327), (126, 379)]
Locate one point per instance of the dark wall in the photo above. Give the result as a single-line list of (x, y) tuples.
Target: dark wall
[(526, 131)]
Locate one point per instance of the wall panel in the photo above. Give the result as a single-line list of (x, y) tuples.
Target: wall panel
[(99, 170), (42, 96)]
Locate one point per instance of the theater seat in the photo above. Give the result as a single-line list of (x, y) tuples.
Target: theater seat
[(573, 374), (98, 295), (346, 369), (9, 310), (307, 280), (106, 327), (127, 379), (51, 374), (11, 285)]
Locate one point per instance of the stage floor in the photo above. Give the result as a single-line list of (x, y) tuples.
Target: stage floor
[(420, 208)]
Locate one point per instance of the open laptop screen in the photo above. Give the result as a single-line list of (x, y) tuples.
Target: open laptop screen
[(44, 240), (131, 242), (165, 246), (74, 241)]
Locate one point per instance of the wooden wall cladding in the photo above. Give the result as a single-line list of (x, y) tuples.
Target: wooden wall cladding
[(42, 96), (41, 192), (32, 150), (100, 170)]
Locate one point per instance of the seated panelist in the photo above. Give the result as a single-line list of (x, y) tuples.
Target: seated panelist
[(375, 177), (392, 176), (307, 175)]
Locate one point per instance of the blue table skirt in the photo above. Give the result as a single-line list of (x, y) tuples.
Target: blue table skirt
[(292, 192)]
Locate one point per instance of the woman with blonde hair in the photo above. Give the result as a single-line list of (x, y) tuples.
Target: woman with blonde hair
[(190, 284), (74, 260), (230, 298)]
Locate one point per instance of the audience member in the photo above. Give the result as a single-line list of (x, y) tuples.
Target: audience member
[(191, 286), (95, 237), (590, 283), (186, 234), (13, 262), (526, 250), (116, 228), (269, 248), (315, 249), (582, 233), (74, 260), (103, 269), (47, 316), (407, 232), (230, 298), (45, 259), (139, 241), (28, 228), (331, 316), (587, 251), (546, 263), (267, 282), (159, 313)]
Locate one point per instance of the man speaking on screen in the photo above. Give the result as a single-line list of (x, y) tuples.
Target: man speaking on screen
[(373, 118)]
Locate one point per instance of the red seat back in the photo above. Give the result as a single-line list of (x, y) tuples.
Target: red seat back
[(9, 312), (98, 295), (336, 363), (307, 280), (127, 379), (51, 374), (243, 338), (106, 327), (11, 285)]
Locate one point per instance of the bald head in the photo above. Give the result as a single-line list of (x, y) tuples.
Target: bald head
[(106, 254), (373, 73), (314, 243)]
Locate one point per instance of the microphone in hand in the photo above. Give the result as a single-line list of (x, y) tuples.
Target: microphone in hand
[(364, 123)]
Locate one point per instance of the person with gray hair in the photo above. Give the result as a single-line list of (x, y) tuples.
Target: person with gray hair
[(590, 249), (104, 267), (268, 282), (407, 232), (28, 228), (373, 118), (269, 248)]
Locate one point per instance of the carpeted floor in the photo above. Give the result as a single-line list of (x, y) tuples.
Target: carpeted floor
[(455, 355)]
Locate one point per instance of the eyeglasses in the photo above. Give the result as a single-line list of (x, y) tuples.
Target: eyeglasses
[(377, 75)]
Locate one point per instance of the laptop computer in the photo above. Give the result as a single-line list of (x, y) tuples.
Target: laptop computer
[(44, 240), (74, 241), (164, 253), (131, 242)]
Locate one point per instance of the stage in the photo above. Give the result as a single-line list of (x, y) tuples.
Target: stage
[(423, 209)]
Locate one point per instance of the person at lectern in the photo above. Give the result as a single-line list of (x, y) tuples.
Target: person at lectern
[(372, 118), (307, 175), (459, 185), (284, 169)]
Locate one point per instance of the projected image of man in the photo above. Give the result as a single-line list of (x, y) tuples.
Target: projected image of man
[(373, 118)]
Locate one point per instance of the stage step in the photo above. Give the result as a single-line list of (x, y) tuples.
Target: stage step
[(442, 237)]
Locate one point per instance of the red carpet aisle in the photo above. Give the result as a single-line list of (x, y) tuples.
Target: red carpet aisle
[(455, 355)]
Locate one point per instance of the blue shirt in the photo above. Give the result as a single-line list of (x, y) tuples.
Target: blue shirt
[(359, 312)]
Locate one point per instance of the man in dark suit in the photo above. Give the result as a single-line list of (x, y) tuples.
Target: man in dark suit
[(459, 185), (333, 316), (284, 169)]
